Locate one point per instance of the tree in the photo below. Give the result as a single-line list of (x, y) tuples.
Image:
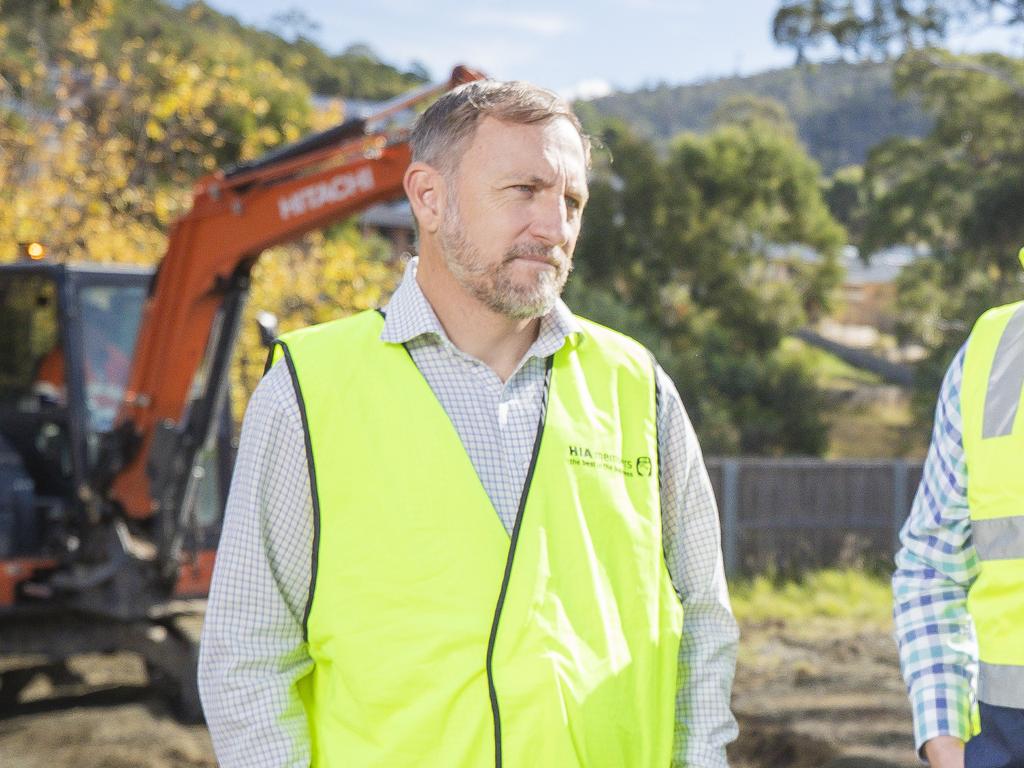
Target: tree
[(695, 254), (846, 198), (804, 25), (884, 28), (960, 192), (295, 23), (101, 155), (328, 275)]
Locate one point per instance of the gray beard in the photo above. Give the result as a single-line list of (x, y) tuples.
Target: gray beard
[(494, 286)]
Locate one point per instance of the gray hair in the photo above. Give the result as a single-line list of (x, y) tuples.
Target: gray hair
[(441, 133)]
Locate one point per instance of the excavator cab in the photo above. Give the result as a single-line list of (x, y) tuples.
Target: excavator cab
[(68, 335)]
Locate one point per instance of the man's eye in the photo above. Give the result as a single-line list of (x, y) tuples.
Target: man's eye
[(572, 203)]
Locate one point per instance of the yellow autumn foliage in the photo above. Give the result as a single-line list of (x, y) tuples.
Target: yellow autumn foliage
[(326, 278), (97, 159)]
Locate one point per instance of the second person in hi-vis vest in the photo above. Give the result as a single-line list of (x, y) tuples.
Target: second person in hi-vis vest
[(959, 583)]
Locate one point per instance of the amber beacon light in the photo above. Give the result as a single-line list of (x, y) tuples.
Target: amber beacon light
[(34, 250)]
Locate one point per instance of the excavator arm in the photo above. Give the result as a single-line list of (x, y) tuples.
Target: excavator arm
[(190, 319)]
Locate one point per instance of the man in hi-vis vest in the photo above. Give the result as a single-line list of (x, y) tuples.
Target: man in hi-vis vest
[(959, 583), (471, 529)]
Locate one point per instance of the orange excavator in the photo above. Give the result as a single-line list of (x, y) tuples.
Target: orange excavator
[(114, 431)]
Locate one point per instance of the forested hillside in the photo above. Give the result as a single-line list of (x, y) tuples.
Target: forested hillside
[(188, 27), (840, 110)]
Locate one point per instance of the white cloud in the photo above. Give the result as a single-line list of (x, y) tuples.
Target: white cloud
[(543, 24), (584, 90)]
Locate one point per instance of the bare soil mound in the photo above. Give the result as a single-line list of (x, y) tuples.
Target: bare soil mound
[(818, 696)]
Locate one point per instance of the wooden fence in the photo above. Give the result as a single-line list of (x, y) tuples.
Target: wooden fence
[(789, 515)]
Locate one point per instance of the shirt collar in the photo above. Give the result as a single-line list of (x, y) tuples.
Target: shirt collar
[(408, 315)]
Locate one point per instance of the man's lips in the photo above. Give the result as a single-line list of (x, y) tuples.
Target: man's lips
[(536, 257)]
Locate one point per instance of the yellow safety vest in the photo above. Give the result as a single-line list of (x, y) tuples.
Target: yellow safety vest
[(993, 432), (438, 640)]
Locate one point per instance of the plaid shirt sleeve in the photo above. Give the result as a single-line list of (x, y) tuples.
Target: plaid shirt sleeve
[(934, 569)]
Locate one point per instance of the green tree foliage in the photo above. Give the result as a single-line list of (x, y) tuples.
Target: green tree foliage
[(958, 190), (100, 155), (883, 27), (846, 197), (688, 254)]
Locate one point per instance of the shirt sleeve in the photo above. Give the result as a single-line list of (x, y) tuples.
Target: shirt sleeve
[(693, 553), (252, 652), (934, 569)]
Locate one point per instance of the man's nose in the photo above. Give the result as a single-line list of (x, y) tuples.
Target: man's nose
[(551, 222)]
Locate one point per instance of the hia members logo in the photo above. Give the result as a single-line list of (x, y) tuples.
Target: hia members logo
[(590, 458)]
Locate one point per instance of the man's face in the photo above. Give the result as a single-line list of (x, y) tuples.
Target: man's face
[(513, 214)]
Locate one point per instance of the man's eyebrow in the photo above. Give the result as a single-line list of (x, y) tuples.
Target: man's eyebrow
[(539, 181)]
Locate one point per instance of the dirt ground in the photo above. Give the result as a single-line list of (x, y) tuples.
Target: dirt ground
[(824, 694), (818, 696)]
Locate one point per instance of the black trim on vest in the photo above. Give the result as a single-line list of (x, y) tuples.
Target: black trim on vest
[(657, 447), (508, 562), (312, 481), (270, 356), (657, 410), (657, 436)]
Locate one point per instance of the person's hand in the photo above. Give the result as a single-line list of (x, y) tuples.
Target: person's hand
[(944, 752)]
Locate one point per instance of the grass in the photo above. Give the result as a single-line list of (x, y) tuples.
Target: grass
[(849, 595), (875, 429), (865, 418), (829, 371)]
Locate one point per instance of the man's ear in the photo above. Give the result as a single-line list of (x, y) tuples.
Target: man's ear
[(425, 188)]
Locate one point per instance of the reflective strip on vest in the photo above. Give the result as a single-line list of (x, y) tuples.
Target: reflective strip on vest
[(1006, 380), (1001, 538), (1001, 684)]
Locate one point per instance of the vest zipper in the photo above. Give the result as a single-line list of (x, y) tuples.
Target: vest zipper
[(508, 563)]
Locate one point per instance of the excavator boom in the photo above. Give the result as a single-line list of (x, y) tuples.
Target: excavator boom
[(235, 216)]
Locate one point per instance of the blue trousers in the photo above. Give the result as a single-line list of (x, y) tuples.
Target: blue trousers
[(1001, 741)]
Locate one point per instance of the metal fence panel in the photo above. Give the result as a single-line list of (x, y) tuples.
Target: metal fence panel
[(792, 514)]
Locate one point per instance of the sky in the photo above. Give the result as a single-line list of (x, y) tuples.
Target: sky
[(581, 49)]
